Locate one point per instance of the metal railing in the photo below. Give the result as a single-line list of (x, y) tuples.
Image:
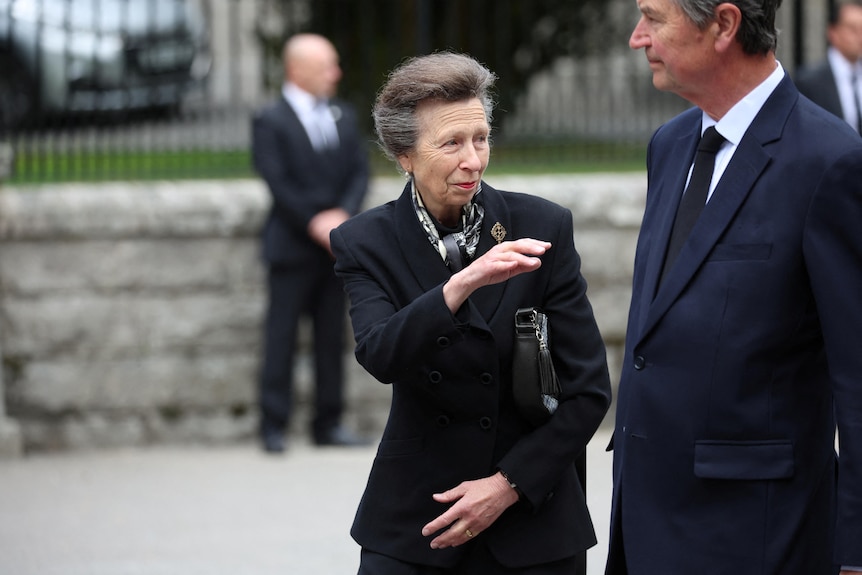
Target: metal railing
[(140, 89)]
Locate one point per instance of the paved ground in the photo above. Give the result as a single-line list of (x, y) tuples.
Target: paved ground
[(203, 511)]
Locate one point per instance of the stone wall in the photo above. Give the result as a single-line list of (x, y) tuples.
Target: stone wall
[(130, 313)]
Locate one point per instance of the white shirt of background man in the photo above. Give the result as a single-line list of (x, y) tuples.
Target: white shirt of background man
[(316, 116)]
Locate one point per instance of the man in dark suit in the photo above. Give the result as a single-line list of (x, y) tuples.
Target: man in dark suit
[(740, 361), (309, 150), (835, 83)]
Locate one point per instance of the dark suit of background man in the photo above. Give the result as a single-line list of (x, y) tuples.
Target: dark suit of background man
[(835, 83), (308, 148), (740, 361)]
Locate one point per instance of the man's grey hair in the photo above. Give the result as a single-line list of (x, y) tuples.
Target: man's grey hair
[(757, 34), (442, 76)]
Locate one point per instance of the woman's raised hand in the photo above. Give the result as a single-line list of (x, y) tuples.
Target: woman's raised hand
[(502, 262)]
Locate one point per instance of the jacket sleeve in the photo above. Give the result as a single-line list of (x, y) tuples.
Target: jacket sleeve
[(833, 256), (387, 343)]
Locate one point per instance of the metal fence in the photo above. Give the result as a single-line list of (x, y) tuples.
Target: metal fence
[(138, 89)]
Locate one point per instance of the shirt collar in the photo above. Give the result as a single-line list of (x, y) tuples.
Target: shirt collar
[(736, 121), (302, 101)]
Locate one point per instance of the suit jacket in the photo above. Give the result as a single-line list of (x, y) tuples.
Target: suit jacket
[(302, 181), (737, 366), (818, 84), (452, 416)]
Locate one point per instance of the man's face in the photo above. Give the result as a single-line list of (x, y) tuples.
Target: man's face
[(846, 34), (316, 69), (679, 53)]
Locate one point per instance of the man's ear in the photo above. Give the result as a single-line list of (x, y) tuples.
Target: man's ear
[(727, 21)]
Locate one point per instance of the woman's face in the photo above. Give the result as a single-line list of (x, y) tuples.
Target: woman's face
[(450, 155)]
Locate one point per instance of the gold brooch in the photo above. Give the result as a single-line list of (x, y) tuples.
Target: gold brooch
[(498, 232)]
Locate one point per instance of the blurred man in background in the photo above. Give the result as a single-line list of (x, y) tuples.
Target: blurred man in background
[(835, 83), (308, 148)]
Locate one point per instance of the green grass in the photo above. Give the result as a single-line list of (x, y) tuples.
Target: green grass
[(516, 158), (33, 168)]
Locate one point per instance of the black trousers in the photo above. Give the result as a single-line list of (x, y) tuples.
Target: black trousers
[(478, 560), (296, 291)]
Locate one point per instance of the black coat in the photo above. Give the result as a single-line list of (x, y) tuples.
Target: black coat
[(452, 417)]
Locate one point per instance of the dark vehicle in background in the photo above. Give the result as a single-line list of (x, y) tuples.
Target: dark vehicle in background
[(98, 56)]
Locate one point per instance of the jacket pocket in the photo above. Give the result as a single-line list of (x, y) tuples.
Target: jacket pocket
[(400, 447), (772, 459)]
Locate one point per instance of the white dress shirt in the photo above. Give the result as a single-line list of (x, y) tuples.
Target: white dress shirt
[(736, 121), (315, 115)]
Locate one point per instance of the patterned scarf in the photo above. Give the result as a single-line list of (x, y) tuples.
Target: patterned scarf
[(467, 237)]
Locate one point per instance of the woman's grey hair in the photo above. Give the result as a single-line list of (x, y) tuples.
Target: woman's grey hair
[(757, 34), (444, 76)]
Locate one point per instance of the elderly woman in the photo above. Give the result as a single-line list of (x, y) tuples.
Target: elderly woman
[(462, 482)]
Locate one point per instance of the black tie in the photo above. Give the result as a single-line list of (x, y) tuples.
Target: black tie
[(694, 199), (325, 139)]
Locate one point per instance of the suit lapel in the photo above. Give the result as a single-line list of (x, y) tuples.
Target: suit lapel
[(341, 127), (495, 212), (424, 262), (292, 123), (741, 175), (344, 138), (669, 188)]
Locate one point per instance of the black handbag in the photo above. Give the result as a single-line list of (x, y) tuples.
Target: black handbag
[(534, 382)]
